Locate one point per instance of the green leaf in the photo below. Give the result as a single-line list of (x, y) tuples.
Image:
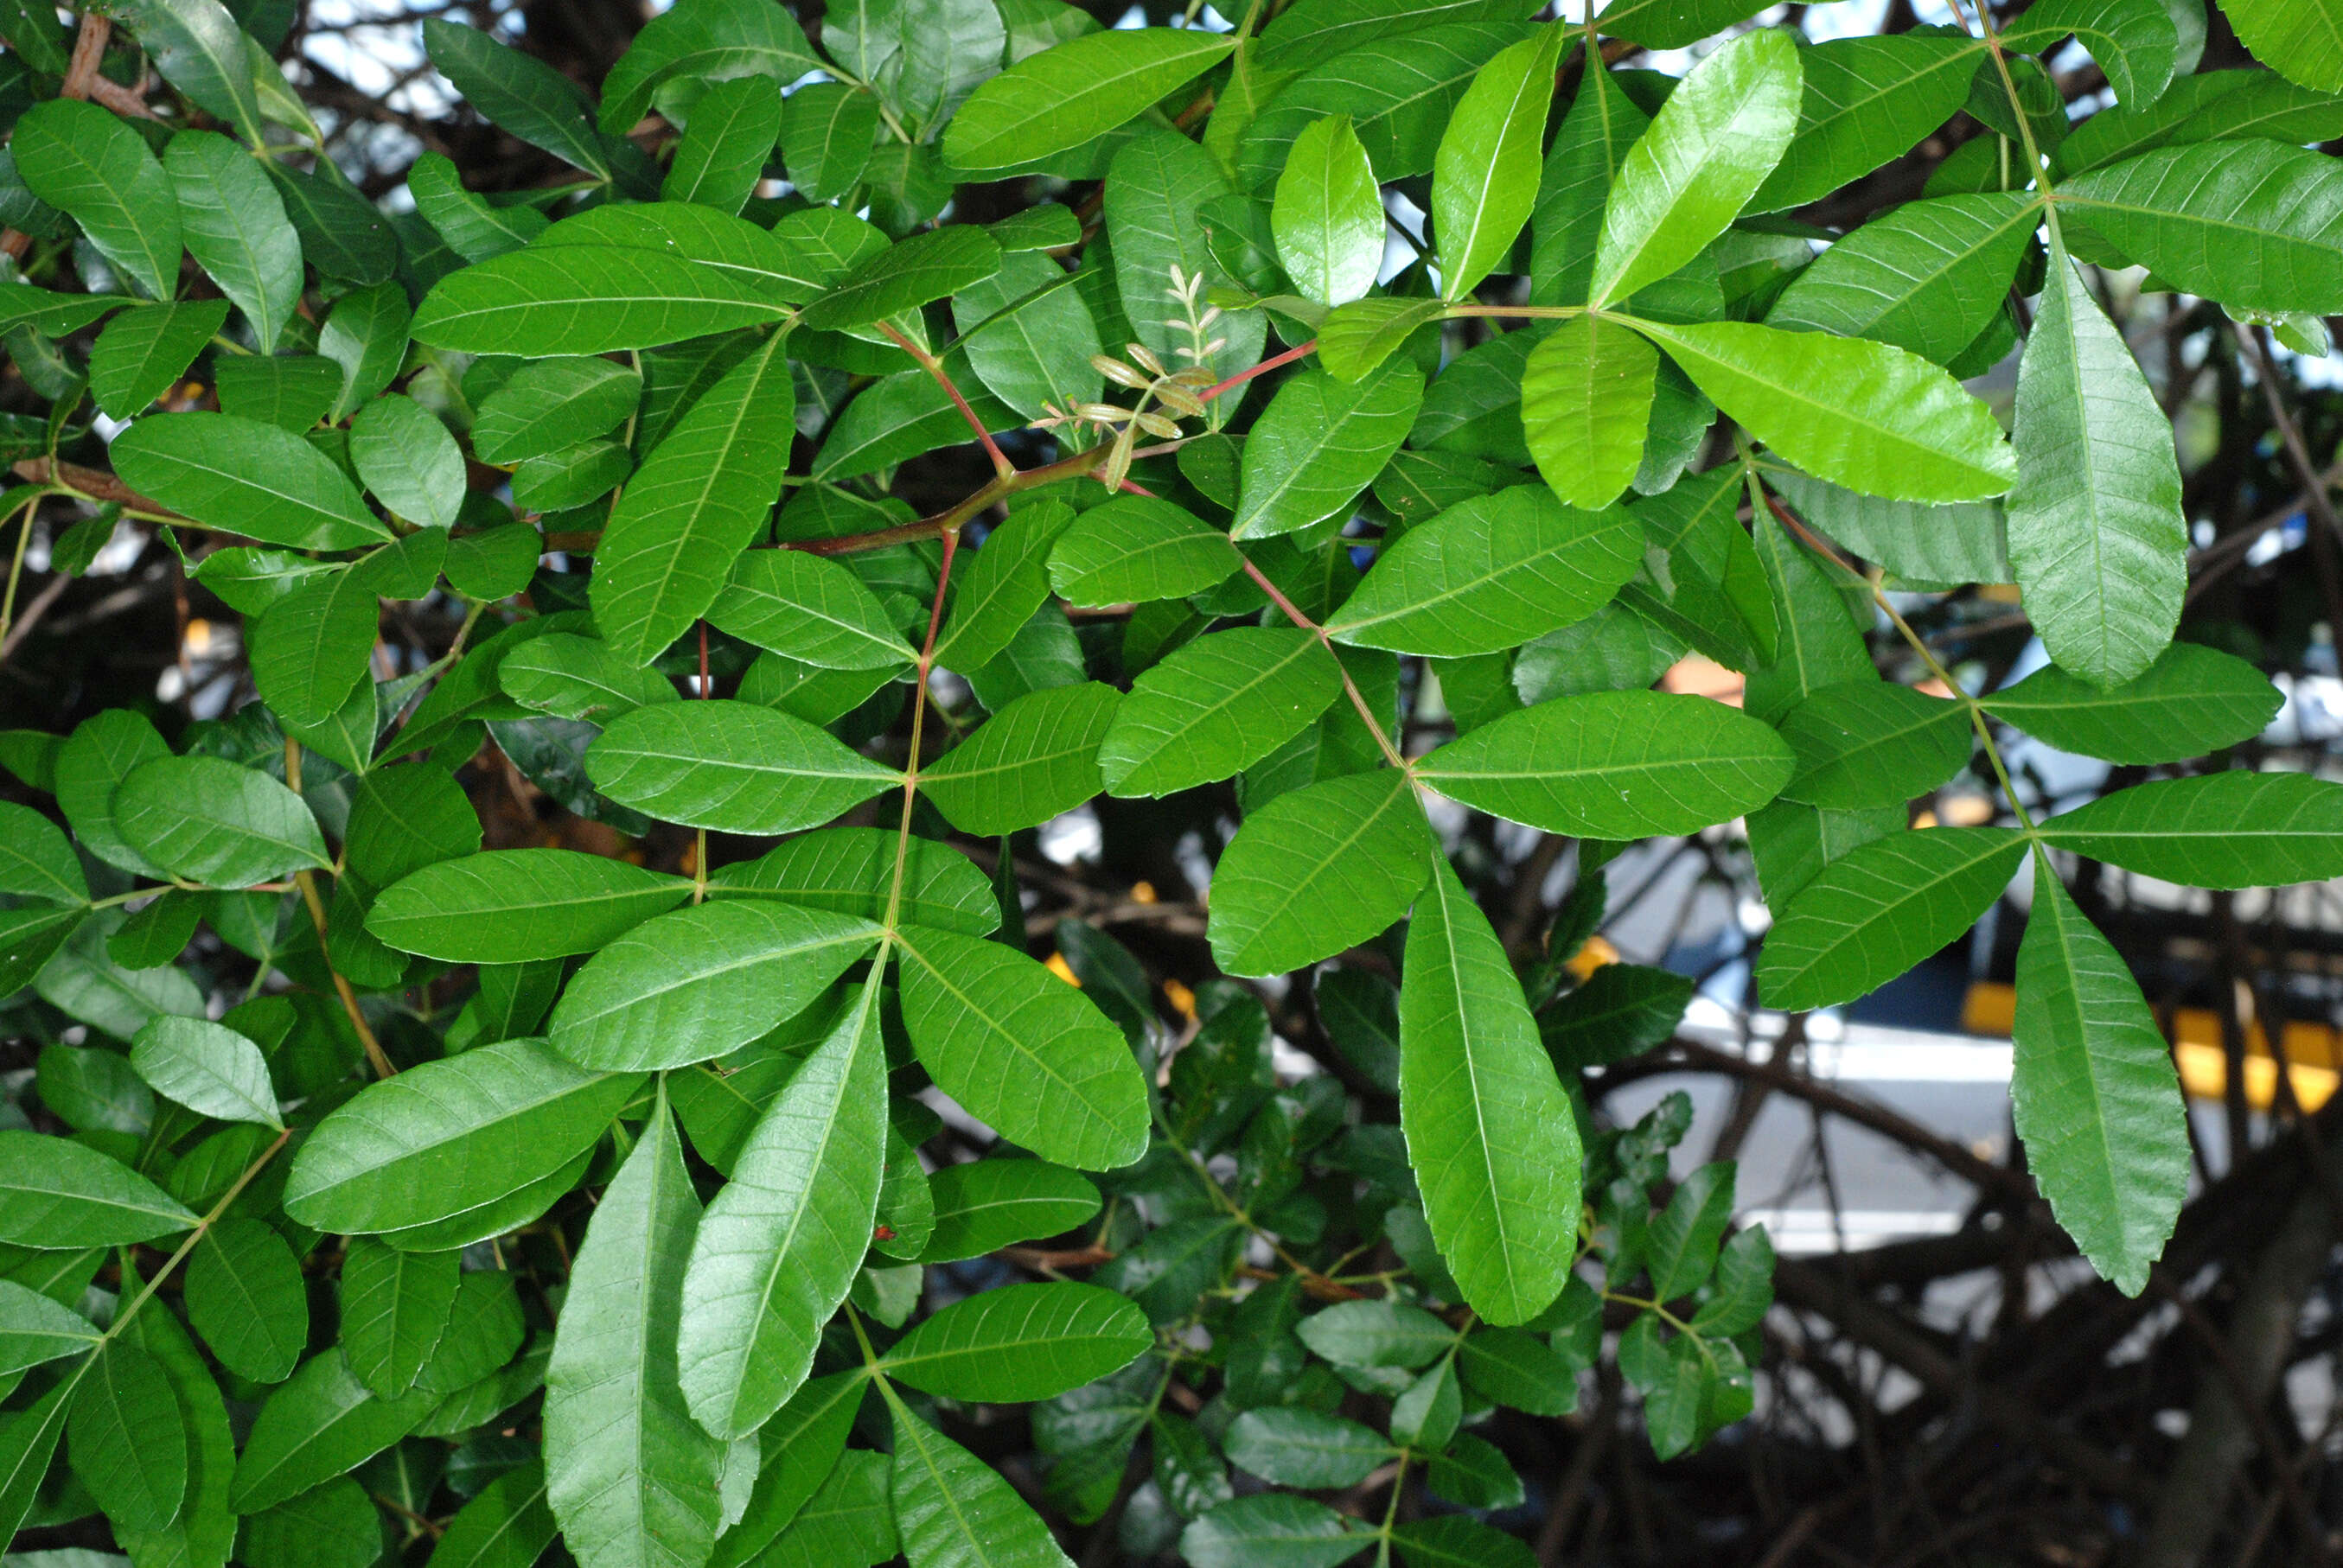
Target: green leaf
[(800, 1447), (2097, 536), (1028, 334), (517, 92), (1313, 31), (684, 987), (1485, 177), (200, 50), (713, 40), (36, 859), (55, 1192), (1490, 574), (1021, 1343), (1216, 707), (1586, 403), (1376, 1333), (673, 538), (1743, 1286), (2093, 1093), (506, 1525), (2256, 224), (1927, 276), (573, 299), (1712, 145), (1319, 443), (1023, 1051), (1158, 190), (998, 592), (1303, 1448), (1328, 215), (145, 349), (472, 227), (1618, 1011), (405, 818), (1318, 870), (343, 235), (1357, 337), (552, 404), (314, 1427), (1862, 415), (724, 150), (1036, 757), (781, 1242), (1967, 542), (513, 906), (409, 461), (2193, 700), (731, 765), (126, 1439), (2301, 40), (309, 650), (208, 1068), (1869, 743), (443, 1140), (1880, 908), (366, 334), (1681, 1249), (811, 609), (1488, 1130), (1055, 100), (27, 1442), (1399, 91), (2230, 830), (2134, 42), (1614, 765), (216, 823), (395, 1307), (983, 1205), (84, 161), (631, 1477), (1514, 1368), (35, 1329), (246, 476), (1453, 1540), (245, 1296), (849, 1521), (1138, 548), (293, 391), (851, 870), (1269, 1530), (1867, 101), (927, 266), (827, 131), (953, 1510)]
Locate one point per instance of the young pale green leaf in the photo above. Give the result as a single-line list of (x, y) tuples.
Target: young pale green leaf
[(927, 266), (36, 859), (811, 609), (2256, 224), (675, 535), (780, 1243), (35, 1329), (395, 1307), (410, 462), (1880, 908), (983, 1205), (1866, 101), (1137, 549), (570, 299), (551, 403), (1025, 1052), (90, 164), (213, 823), (244, 477), (631, 1477), (724, 151), (953, 1510), (1021, 1343), (1926, 277), (319, 1424), (1303, 1448), (851, 870), (1055, 100), (2134, 42), (1357, 337), (208, 1068), (731, 765), (2231, 829), (1318, 870), (684, 987), (1490, 574), (1712, 145), (2097, 536), (513, 906), (1869, 743), (2301, 40), (1216, 707), (245, 1297), (125, 1440), (1614, 765), (145, 349), (1328, 215), (506, 1524), (2092, 1092), (443, 1140), (1586, 403), (1484, 177), (1319, 443), (1488, 1130), (2193, 700), (1036, 757)]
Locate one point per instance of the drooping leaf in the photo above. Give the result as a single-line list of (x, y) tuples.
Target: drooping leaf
[(1318, 870), (1880, 908)]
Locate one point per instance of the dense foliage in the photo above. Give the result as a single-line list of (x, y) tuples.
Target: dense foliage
[(657, 1181)]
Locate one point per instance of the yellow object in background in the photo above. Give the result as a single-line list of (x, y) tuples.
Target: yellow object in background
[(2312, 1050)]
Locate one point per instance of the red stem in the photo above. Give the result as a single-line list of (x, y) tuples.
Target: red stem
[(934, 366), (1241, 376)]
